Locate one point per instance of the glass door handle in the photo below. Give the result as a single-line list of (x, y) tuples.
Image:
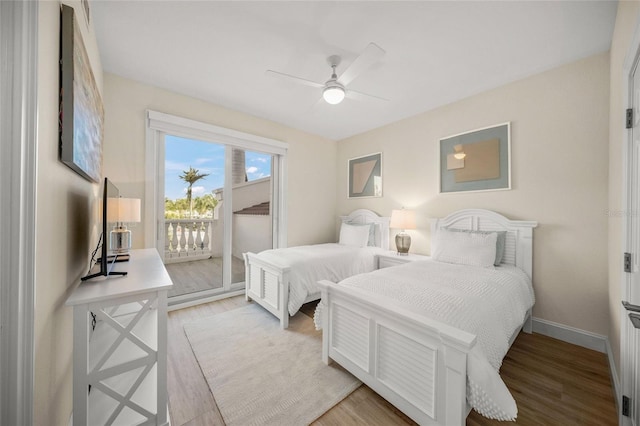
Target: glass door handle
[(629, 307)]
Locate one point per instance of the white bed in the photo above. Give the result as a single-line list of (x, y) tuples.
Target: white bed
[(281, 280), (411, 357)]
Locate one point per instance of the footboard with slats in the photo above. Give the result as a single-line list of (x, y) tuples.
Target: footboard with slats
[(416, 363), (268, 286)]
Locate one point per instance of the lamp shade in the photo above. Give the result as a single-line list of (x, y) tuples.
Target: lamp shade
[(124, 210), (129, 210), (403, 219)]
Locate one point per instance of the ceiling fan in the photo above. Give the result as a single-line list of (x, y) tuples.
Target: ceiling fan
[(335, 89)]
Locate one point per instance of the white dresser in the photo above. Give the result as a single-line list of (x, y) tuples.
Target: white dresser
[(120, 367)]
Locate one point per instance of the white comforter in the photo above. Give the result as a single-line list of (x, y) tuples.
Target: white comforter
[(490, 303), (312, 263)]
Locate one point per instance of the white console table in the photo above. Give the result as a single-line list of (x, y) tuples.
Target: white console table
[(120, 367)]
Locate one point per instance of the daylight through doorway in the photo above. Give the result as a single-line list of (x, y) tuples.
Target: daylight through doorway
[(217, 205)]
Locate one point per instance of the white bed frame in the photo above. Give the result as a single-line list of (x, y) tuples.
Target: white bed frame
[(417, 364), (268, 284)]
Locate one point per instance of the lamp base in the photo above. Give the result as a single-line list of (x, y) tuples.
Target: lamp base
[(403, 243), (120, 240)]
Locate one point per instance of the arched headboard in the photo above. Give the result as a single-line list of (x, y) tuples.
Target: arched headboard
[(363, 216), (519, 237)]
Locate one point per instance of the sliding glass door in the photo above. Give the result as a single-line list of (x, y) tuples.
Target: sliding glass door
[(252, 219), (211, 194), (194, 174)]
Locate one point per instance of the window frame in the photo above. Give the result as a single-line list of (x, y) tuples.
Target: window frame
[(159, 124)]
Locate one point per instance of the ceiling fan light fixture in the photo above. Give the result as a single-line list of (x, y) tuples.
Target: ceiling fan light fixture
[(333, 94)]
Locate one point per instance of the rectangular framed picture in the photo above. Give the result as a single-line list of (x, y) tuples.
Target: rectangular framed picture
[(365, 176), (479, 160), (81, 110)]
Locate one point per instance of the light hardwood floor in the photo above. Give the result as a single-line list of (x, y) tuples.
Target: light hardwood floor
[(553, 383)]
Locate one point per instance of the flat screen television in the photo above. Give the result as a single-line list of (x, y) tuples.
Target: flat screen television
[(107, 259)]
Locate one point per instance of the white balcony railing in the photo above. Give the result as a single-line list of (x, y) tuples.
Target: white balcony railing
[(187, 239)]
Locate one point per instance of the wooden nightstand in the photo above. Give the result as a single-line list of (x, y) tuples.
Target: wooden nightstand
[(392, 258)]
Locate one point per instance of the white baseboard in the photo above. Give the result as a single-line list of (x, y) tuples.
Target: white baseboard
[(617, 389), (576, 336)]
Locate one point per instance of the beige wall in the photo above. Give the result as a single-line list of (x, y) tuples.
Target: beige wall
[(628, 12), (560, 172), (311, 160), (64, 228), (67, 203), (559, 132)]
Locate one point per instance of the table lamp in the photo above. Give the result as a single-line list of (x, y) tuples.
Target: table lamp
[(125, 210), (403, 220)]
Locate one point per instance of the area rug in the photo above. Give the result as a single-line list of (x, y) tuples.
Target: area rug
[(260, 374)]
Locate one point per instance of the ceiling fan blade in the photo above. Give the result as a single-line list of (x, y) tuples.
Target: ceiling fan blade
[(359, 96), (294, 78), (372, 54)]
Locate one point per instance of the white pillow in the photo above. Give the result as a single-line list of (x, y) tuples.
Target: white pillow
[(500, 244), (373, 230), (354, 235), (473, 249)]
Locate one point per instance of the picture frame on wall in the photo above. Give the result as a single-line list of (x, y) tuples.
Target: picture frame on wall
[(365, 176), (479, 160), (87, 12), (81, 119)]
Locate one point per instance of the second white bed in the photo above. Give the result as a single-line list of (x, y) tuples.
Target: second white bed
[(281, 280), (330, 261)]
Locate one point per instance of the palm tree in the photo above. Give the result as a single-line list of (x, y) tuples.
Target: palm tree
[(205, 204), (191, 176), (169, 208)]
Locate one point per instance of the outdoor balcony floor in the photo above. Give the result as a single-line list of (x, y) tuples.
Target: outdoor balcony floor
[(198, 275)]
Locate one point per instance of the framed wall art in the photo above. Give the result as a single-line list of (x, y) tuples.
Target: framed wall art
[(365, 176), (81, 112), (479, 160)]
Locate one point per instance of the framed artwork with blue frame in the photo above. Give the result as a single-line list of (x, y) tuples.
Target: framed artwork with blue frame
[(365, 176), (479, 160)]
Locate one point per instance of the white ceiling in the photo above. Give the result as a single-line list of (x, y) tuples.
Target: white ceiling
[(436, 52)]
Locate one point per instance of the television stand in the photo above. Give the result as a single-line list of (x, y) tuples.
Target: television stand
[(118, 258), (110, 261), (124, 358), (100, 274)]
